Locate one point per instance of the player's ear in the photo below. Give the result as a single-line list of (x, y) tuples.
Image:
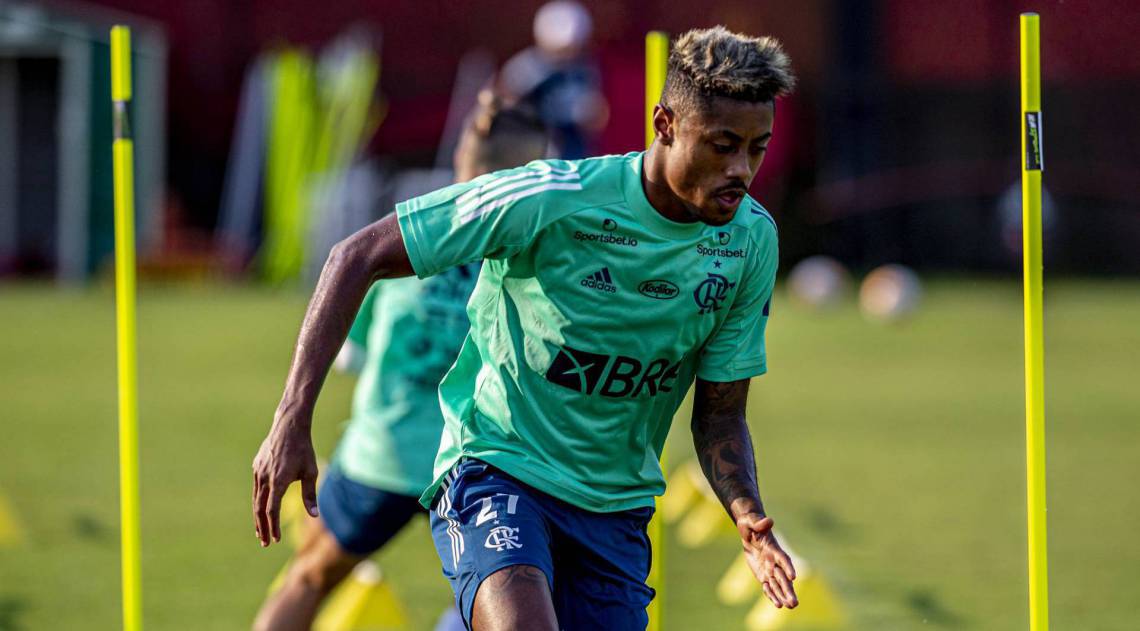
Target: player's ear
[(663, 123)]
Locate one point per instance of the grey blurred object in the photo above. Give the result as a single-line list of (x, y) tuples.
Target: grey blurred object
[(559, 79), (346, 202), (1009, 214), (819, 282), (56, 204), (343, 202), (475, 71), (415, 182), (239, 230), (364, 193), (890, 293), (341, 197), (350, 360)]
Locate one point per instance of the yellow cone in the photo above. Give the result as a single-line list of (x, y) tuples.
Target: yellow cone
[(738, 586), (818, 609), (364, 602), (294, 517), (11, 533), (704, 523), (684, 491)]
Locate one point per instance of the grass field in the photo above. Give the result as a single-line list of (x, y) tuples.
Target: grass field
[(891, 457)]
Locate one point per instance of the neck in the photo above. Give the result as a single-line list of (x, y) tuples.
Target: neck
[(657, 190)]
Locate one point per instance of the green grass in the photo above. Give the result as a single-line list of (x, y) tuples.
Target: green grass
[(891, 457)]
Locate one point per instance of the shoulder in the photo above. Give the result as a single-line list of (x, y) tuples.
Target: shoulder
[(757, 221), (595, 168), (760, 230), (575, 184)]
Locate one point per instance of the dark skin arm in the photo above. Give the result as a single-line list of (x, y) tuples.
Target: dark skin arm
[(286, 455), (724, 448)]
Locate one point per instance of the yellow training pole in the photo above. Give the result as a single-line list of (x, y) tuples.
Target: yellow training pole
[(656, 57), (1032, 165), (123, 154)]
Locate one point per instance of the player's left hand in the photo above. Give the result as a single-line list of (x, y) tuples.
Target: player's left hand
[(767, 560)]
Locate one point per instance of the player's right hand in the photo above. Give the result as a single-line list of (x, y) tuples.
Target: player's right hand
[(286, 455)]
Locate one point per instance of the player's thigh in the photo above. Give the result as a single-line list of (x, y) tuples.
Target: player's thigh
[(362, 518), (483, 521), (603, 562)]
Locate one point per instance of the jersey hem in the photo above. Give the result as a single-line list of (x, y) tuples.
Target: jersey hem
[(534, 478), (379, 482)]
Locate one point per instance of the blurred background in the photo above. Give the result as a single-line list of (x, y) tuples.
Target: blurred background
[(889, 433)]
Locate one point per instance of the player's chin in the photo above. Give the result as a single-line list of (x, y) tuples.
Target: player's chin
[(715, 213)]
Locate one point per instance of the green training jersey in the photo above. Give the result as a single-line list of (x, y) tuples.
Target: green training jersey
[(590, 318), (411, 331)]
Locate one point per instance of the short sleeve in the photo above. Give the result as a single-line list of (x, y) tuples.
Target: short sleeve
[(736, 351), (493, 216)]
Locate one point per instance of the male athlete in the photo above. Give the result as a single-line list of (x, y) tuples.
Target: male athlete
[(410, 331), (609, 284)]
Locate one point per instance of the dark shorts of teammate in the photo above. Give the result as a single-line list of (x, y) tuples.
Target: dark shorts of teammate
[(483, 520), (362, 518)]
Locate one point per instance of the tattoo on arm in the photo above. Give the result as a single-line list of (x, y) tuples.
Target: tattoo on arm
[(723, 443)]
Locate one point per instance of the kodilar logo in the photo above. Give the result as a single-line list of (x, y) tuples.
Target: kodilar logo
[(723, 238), (711, 292), (601, 281), (609, 225), (658, 289)]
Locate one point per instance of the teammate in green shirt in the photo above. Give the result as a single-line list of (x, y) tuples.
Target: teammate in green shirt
[(410, 332), (609, 285)]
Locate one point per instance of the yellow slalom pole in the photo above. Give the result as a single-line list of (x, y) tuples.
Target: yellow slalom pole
[(1031, 169), (656, 58), (123, 154)]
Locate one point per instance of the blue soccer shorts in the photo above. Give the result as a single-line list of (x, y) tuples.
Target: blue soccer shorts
[(362, 518), (483, 520)]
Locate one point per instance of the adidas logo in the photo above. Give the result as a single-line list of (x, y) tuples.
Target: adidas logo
[(600, 280)]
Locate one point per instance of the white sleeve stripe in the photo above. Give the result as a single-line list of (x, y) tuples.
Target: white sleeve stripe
[(483, 194), (541, 168), (479, 211)]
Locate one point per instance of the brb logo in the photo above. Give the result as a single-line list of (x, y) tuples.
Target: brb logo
[(503, 538), (611, 375), (711, 292)]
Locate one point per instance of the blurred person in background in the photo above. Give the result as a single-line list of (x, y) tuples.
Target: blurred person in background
[(558, 77), (608, 286), (406, 335)]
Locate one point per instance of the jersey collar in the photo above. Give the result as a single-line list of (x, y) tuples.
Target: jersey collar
[(646, 213)]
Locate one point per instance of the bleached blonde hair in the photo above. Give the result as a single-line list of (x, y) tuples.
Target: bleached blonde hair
[(715, 62)]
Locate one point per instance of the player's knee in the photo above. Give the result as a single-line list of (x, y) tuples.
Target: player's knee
[(322, 574), (515, 597)]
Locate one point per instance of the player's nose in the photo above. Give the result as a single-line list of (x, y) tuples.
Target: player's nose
[(737, 167)]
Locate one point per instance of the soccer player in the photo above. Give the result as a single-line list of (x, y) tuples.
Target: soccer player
[(411, 332), (608, 286)]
